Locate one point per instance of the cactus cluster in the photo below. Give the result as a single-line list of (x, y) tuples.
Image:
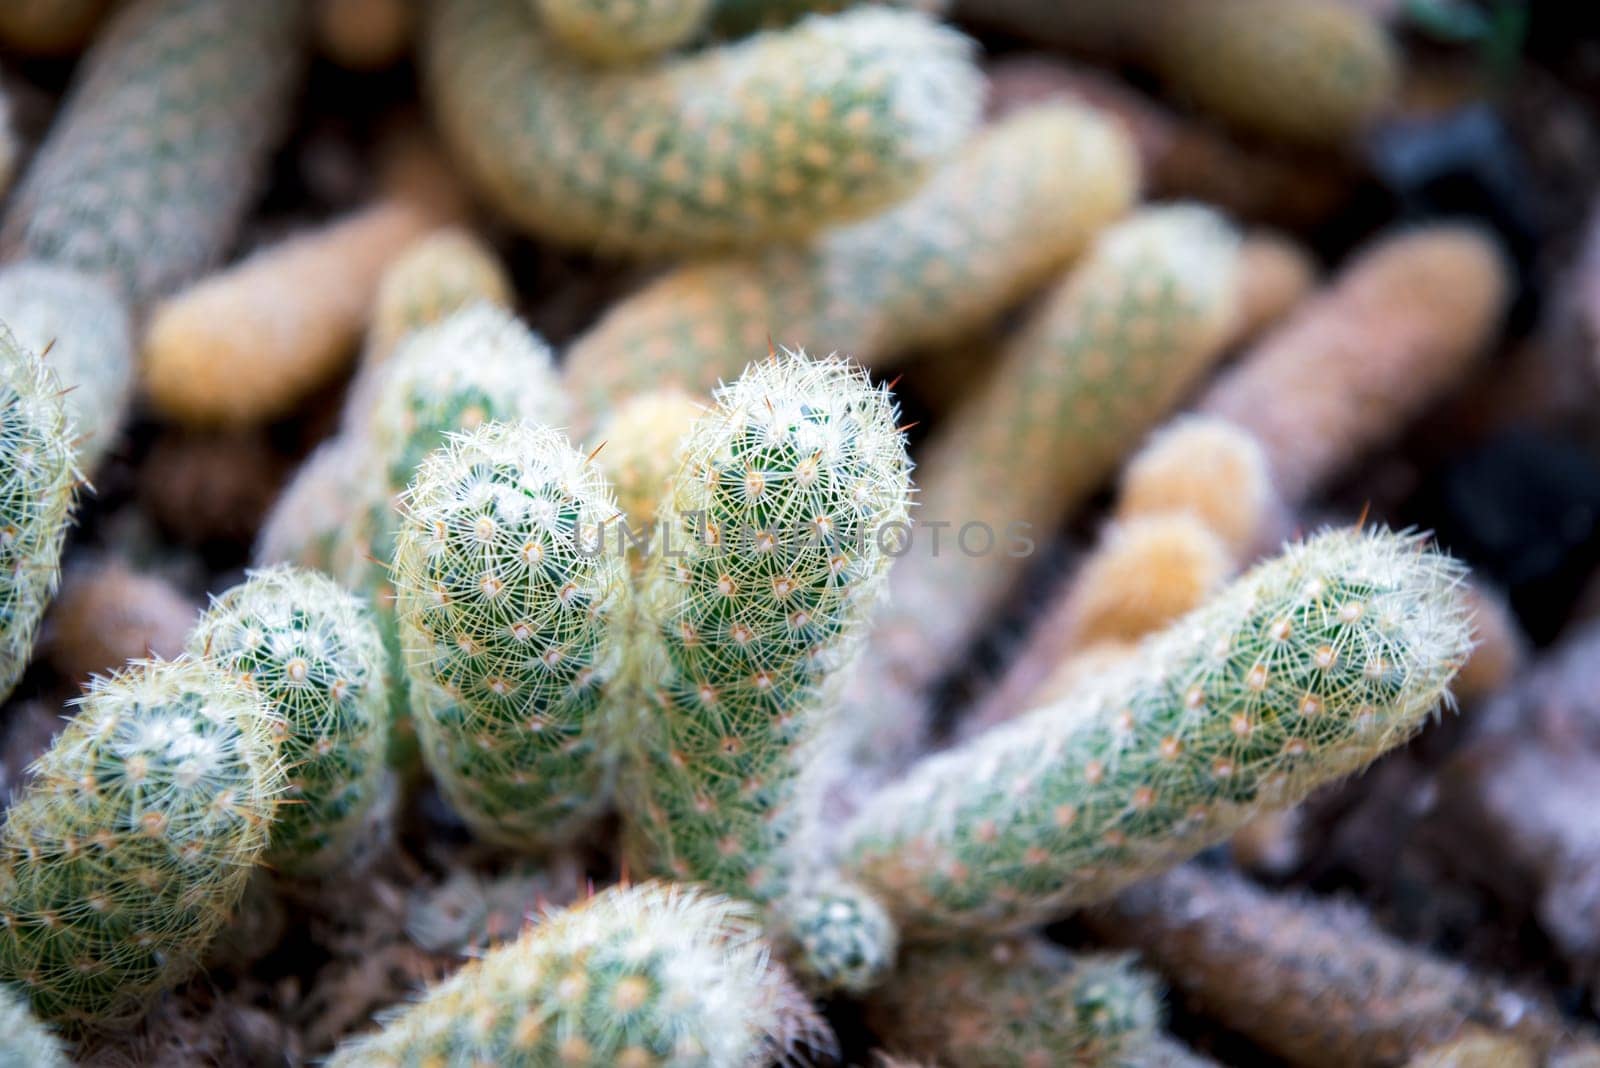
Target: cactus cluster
[(134, 839), (766, 138)]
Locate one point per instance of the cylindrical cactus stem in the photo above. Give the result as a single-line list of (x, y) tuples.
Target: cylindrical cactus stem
[(1309, 72), (1115, 347), (109, 613), (313, 512), (1404, 321), (244, 345), (432, 278), (162, 142), (364, 35), (1015, 1003), (311, 651), (1312, 72), (80, 328), (639, 452), (49, 27), (837, 937), (1311, 981), (1194, 505), (1300, 672), (623, 31), (776, 537), (24, 1041), (38, 483), (477, 366), (646, 975), (134, 839), (772, 137), (1275, 275), (507, 599), (992, 224)]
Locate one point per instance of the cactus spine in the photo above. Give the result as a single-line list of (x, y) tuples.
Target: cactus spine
[(622, 31), (134, 839), (1302, 671), (81, 330), (840, 936), (162, 141), (772, 137), (636, 976), (311, 651), (989, 226), (1015, 1003), (1114, 348), (505, 597), (788, 494), (37, 484)]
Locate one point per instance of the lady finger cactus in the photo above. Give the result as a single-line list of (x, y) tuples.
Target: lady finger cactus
[(311, 651), (790, 489), (506, 595), (162, 141), (622, 31), (477, 366), (1015, 1003), (24, 1041), (1401, 323), (244, 345), (80, 328), (1113, 349), (38, 481), (639, 450), (434, 277), (644, 975), (134, 839), (772, 137), (1302, 671), (995, 222)]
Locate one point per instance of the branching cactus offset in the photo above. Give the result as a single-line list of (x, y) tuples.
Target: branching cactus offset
[(477, 366), (1302, 671), (134, 839), (38, 481), (80, 328), (24, 1041), (635, 977), (773, 137), (1115, 347), (622, 31), (1015, 1003), (311, 651), (841, 938), (991, 225), (507, 595), (162, 142), (775, 541)]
